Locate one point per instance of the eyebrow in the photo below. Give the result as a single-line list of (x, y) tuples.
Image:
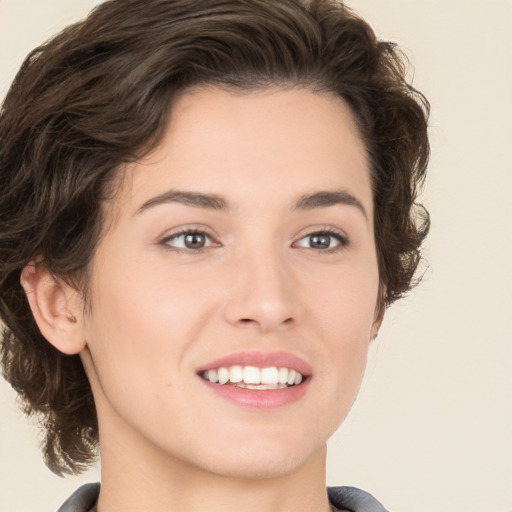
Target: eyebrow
[(321, 199), (195, 199), (324, 199)]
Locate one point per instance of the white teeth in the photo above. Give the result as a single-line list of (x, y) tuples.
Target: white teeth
[(236, 374), (269, 375), (252, 377), (223, 374), (283, 375), (263, 387)]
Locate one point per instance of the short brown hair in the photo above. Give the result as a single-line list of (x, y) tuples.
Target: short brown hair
[(99, 95)]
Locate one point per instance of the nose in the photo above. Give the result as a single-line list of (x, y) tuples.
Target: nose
[(264, 295)]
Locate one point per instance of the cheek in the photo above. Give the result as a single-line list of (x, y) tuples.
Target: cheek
[(344, 315), (143, 320), (345, 301)]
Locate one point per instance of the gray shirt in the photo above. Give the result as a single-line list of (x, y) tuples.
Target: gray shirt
[(349, 498)]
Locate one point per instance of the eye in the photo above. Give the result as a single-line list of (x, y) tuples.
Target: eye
[(323, 240), (191, 239)]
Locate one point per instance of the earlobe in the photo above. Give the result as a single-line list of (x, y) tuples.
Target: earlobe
[(55, 308), (379, 317)]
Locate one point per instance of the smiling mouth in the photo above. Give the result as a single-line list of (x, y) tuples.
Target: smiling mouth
[(252, 377)]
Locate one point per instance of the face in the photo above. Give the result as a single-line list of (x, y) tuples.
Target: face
[(242, 248)]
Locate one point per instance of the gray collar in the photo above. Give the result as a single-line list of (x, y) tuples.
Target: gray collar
[(349, 498)]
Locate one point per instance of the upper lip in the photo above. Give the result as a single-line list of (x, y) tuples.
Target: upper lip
[(260, 359)]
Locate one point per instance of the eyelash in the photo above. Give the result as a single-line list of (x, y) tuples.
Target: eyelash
[(189, 231), (343, 240)]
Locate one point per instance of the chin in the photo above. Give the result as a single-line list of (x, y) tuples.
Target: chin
[(265, 466), (262, 460)]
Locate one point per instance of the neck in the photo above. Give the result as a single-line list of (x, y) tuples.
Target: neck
[(135, 480)]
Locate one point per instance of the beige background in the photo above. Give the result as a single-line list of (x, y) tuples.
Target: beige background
[(432, 429)]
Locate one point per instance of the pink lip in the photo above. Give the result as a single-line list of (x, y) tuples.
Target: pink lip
[(261, 360), (254, 398), (257, 399)]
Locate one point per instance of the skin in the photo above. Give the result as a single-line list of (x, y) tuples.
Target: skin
[(160, 310)]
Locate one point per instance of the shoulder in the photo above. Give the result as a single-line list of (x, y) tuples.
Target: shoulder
[(354, 500), (82, 500)]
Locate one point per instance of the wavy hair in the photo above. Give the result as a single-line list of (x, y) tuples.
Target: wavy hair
[(99, 94)]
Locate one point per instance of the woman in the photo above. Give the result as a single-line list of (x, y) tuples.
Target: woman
[(218, 204)]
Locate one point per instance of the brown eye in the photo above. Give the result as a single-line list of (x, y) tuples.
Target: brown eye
[(191, 240), (195, 240), (320, 241), (323, 241)]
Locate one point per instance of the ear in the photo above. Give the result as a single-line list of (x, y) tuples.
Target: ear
[(380, 309), (55, 306)]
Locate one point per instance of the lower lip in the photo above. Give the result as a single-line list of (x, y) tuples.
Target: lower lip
[(259, 399)]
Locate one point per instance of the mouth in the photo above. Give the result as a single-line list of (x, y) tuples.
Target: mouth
[(258, 380), (253, 377)]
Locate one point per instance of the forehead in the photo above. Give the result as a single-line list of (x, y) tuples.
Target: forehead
[(274, 141)]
